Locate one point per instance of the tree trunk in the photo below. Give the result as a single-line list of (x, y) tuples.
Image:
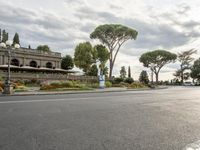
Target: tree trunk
[(111, 69), (182, 78), (156, 78)]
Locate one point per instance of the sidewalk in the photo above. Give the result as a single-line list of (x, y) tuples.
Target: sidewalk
[(116, 89)]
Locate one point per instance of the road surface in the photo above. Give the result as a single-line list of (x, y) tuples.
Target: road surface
[(135, 120)]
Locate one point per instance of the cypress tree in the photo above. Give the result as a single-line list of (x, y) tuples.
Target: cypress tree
[(16, 39), (0, 36), (4, 36), (129, 72)]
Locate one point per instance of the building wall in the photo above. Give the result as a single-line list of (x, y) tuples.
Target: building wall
[(25, 56)]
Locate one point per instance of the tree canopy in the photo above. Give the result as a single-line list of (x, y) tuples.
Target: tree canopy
[(86, 56), (4, 36), (155, 60), (113, 36), (67, 62), (129, 72), (144, 78), (93, 71), (102, 55), (16, 39), (123, 72), (44, 48), (195, 70), (185, 58), (83, 56)]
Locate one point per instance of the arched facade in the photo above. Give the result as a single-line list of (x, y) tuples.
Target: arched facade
[(15, 62), (49, 65), (33, 64)]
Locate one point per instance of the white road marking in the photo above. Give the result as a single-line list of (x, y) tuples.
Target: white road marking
[(54, 100)]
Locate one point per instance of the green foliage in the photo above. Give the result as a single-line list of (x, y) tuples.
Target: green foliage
[(129, 72), (1, 86), (117, 80), (185, 58), (44, 48), (102, 56), (68, 85), (123, 72), (195, 70), (16, 39), (102, 53), (0, 36), (83, 57), (93, 71), (108, 84), (137, 85), (4, 36), (144, 78), (105, 71), (67, 62), (129, 80), (155, 60), (113, 36)]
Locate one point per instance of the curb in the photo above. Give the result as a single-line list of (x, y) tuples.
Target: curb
[(80, 92)]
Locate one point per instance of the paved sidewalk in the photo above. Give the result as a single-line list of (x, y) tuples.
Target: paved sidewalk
[(114, 89)]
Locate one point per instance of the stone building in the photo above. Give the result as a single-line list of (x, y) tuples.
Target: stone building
[(24, 57), (33, 64)]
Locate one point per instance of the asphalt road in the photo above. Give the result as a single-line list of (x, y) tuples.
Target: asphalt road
[(142, 120)]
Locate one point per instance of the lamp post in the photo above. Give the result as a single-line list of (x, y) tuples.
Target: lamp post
[(8, 88)]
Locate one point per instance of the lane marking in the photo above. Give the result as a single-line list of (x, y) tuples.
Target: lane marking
[(54, 100)]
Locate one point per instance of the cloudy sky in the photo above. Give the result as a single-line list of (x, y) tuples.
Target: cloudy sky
[(62, 24)]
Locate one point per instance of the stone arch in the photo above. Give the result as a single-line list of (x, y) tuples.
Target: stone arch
[(33, 64), (14, 62), (49, 65)]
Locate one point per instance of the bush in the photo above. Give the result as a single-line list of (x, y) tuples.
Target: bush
[(137, 85), (118, 80), (67, 84), (47, 87), (129, 80), (108, 84), (2, 85)]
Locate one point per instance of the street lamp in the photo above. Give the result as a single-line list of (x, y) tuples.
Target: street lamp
[(8, 89)]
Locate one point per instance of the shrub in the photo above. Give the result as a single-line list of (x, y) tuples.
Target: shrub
[(137, 85), (1, 89), (129, 80), (67, 84), (47, 87), (108, 84), (123, 84), (56, 85), (118, 80), (1, 84), (93, 85)]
